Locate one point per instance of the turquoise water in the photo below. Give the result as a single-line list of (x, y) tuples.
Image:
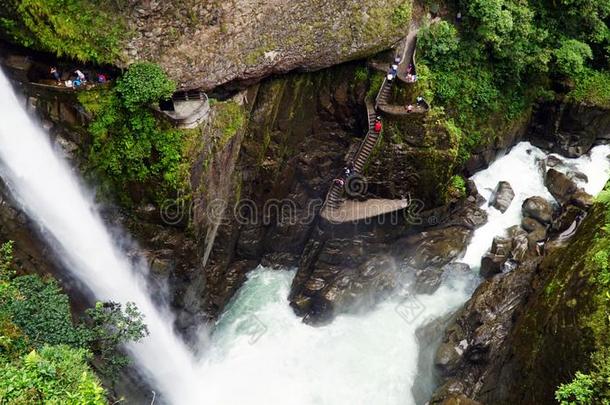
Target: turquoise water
[(261, 353)]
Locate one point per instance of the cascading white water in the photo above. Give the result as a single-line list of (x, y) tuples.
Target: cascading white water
[(260, 352), (69, 221), (521, 168), (363, 359)]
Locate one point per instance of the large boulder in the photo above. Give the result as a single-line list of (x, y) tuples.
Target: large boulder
[(538, 208), (560, 185), (502, 196), (491, 264), (207, 43), (582, 199)]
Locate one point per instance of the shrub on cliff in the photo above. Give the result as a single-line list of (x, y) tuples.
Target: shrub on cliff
[(144, 83), (130, 145)]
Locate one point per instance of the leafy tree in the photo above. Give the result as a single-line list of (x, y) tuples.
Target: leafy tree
[(438, 40), (591, 388), (144, 83), (35, 317), (571, 57), (108, 328), (42, 312)]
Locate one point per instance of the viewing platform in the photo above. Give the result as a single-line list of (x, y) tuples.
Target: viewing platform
[(186, 109), (353, 211)]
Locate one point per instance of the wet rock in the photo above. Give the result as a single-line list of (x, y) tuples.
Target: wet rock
[(560, 185), (569, 129), (455, 269), (552, 161), (491, 264), (501, 246), (530, 224), (448, 356), (249, 243), (149, 213), (566, 219), (536, 231), (450, 389), (515, 231), (66, 147), (428, 280), (459, 400), (481, 328), (520, 247), (438, 247), (577, 176), (582, 199), (538, 208), (502, 196)]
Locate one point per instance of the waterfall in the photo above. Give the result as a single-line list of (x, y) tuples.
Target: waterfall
[(68, 219)]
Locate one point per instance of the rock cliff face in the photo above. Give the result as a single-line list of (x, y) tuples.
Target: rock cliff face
[(298, 129), (563, 322), (204, 44), (569, 129)]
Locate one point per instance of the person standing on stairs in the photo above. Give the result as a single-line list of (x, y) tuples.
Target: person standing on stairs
[(349, 169), (393, 72), (377, 127)]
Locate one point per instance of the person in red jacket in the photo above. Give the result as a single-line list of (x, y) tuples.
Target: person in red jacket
[(377, 127)]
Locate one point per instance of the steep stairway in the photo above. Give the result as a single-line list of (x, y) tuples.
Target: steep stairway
[(334, 197)]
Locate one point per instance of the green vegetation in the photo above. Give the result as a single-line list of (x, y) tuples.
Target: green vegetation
[(44, 356), (86, 30), (131, 145), (229, 119), (53, 375), (588, 389), (457, 185), (402, 14), (487, 71), (593, 387), (144, 83), (376, 80), (592, 86)]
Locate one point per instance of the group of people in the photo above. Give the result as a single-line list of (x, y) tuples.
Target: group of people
[(411, 76), (348, 171), (393, 72), (420, 102), (77, 79)]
